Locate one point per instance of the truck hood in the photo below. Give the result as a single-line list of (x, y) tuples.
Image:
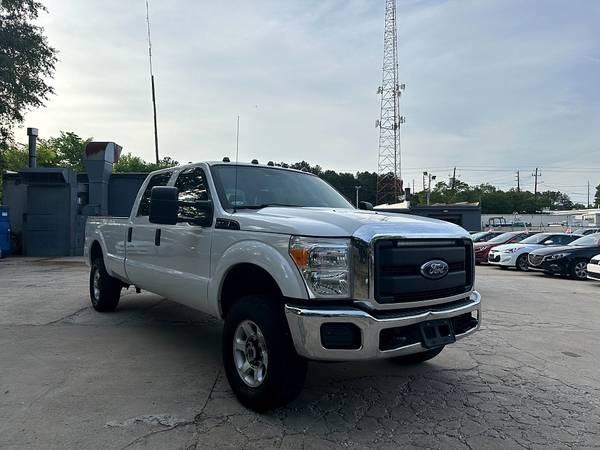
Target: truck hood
[(333, 222)]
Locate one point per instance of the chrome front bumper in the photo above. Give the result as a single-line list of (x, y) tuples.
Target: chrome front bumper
[(305, 327)]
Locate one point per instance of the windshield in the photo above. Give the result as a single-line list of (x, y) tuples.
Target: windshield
[(536, 238), (591, 240), (501, 238), (480, 236), (258, 187)]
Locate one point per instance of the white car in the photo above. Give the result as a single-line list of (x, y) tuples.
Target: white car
[(593, 268), (515, 255)]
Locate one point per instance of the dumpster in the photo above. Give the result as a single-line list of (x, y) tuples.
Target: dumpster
[(4, 231)]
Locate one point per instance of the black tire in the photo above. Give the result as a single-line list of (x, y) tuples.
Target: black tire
[(576, 269), (522, 263), (285, 371), (106, 293), (416, 358)]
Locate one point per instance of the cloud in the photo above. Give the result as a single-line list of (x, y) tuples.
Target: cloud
[(502, 83)]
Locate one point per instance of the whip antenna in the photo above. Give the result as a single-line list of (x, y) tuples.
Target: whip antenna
[(237, 152), (152, 82)]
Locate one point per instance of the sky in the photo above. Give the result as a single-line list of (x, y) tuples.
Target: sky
[(492, 86)]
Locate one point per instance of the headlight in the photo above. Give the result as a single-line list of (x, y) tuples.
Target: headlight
[(509, 250), (324, 265), (556, 256)]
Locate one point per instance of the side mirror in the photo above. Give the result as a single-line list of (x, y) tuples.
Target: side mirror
[(164, 205), (549, 242), (365, 205)]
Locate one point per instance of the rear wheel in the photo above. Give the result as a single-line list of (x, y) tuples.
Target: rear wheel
[(579, 269), (261, 363), (416, 358), (105, 290), (522, 263)]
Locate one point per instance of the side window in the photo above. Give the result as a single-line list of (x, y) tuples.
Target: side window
[(192, 188), (160, 179)]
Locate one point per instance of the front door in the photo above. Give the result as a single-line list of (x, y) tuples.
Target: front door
[(184, 249)]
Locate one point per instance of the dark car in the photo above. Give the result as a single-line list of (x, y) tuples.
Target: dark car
[(569, 260), (484, 236), (482, 249), (586, 231)]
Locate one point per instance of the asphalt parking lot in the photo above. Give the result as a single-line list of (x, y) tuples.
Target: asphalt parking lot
[(150, 375)]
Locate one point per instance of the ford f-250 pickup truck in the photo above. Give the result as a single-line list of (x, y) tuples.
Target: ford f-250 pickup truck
[(294, 270)]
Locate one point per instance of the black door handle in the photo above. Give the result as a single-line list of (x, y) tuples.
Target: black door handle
[(129, 234), (157, 237)]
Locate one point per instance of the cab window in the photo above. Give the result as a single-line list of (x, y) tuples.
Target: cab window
[(160, 179), (192, 188)]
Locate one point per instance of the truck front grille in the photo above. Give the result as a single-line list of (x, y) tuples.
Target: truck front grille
[(398, 264)]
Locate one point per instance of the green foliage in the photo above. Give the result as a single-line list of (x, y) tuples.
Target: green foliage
[(131, 163), (26, 63)]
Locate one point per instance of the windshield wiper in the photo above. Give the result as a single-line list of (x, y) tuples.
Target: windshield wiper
[(266, 205)]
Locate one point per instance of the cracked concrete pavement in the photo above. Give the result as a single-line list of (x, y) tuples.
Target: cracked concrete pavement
[(149, 375)]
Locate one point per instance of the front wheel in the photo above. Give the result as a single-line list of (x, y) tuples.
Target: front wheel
[(261, 363), (579, 269), (416, 358), (522, 263)]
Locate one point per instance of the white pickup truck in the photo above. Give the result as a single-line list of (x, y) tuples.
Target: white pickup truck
[(294, 270)]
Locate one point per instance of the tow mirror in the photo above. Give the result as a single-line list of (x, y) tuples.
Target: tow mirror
[(164, 205), (365, 205)]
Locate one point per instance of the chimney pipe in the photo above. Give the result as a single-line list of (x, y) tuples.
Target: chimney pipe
[(33, 134)]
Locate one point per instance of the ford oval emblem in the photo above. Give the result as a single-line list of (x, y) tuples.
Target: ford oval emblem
[(435, 269)]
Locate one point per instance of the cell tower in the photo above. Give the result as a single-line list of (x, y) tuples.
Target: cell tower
[(389, 179)]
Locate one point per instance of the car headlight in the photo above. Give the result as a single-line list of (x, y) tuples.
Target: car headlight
[(556, 256), (509, 250), (324, 265)]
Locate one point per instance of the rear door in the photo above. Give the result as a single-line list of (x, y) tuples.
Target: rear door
[(143, 265), (184, 249)]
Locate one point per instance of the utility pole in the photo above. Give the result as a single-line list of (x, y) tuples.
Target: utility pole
[(588, 202), (357, 189), (429, 178), (453, 179), (518, 176), (389, 174), (537, 174), (152, 83)]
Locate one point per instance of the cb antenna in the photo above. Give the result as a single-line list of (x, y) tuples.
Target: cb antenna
[(237, 152), (152, 81)]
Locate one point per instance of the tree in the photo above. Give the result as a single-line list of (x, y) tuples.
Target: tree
[(68, 149), (131, 163), (597, 197), (26, 63)]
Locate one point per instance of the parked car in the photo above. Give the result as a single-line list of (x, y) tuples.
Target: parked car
[(515, 255), (482, 249), (484, 236), (569, 260), (292, 268), (593, 268), (586, 231)]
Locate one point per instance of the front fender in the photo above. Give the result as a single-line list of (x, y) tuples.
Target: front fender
[(270, 257)]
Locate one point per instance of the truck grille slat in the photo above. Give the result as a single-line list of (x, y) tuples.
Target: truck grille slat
[(398, 275)]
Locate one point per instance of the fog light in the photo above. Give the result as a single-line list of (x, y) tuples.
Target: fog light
[(340, 336)]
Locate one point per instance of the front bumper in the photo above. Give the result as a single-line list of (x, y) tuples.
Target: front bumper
[(306, 322), (557, 267), (593, 271), (502, 259)]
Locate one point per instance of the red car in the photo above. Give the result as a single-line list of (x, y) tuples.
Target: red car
[(482, 249)]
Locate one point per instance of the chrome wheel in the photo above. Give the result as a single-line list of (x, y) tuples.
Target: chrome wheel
[(96, 284), (580, 269), (250, 353)]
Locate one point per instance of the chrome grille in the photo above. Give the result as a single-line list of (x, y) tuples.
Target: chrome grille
[(535, 260)]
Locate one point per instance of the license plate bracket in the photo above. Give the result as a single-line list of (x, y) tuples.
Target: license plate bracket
[(436, 333)]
